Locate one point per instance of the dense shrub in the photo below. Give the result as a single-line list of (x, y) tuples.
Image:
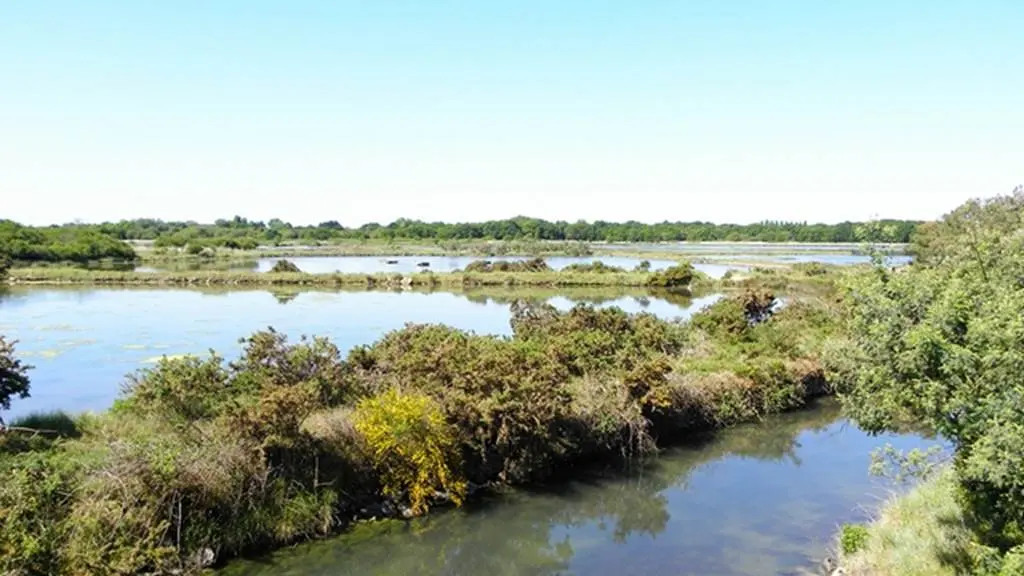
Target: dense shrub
[(411, 446), (531, 265), (57, 244), (942, 343), (284, 267), (673, 277), (203, 457), (14, 381), (595, 267)]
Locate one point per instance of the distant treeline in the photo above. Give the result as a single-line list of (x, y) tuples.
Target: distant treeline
[(180, 233), (59, 243), (90, 241)]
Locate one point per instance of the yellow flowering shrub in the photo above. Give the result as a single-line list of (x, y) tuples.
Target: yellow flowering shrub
[(412, 447)]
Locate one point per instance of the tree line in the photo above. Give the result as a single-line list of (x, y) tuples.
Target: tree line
[(82, 242)]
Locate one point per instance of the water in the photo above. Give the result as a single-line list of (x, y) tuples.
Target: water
[(762, 499), (83, 341), (410, 264)]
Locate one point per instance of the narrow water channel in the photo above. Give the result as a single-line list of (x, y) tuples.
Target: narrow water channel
[(760, 499)]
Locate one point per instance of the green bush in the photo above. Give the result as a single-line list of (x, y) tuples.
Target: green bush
[(942, 343), (531, 265), (852, 538), (14, 382), (674, 277), (285, 267), (595, 267)]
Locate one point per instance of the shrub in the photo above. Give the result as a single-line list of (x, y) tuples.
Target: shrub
[(852, 538), (285, 267), (412, 447), (14, 381), (531, 265), (643, 266), (676, 276), (595, 267), (943, 344)]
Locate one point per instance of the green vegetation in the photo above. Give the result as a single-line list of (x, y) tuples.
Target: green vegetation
[(941, 343), (285, 267), (679, 275), (79, 242), (495, 277), (13, 376), (59, 244), (203, 458), (531, 265)]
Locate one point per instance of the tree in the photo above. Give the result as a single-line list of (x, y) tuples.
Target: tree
[(942, 343), (13, 376)]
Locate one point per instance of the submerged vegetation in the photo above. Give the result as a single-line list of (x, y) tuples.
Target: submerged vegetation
[(204, 458), (941, 343)]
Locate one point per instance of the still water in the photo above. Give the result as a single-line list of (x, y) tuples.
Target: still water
[(408, 264), (763, 499), (83, 341)]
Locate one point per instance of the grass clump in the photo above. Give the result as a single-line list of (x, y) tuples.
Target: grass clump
[(925, 532)]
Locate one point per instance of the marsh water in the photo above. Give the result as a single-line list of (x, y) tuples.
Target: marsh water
[(83, 341), (409, 264), (762, 499)]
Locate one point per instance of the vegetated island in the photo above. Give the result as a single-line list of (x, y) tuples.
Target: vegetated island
[(534, 272)]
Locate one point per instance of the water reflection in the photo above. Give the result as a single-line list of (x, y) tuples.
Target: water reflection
[(412, 264), (759, 499), (84, 340)]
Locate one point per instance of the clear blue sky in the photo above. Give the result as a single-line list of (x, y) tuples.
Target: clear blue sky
[(730, 111)]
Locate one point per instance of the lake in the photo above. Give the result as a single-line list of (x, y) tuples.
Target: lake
[(760, 499), (83, 341)]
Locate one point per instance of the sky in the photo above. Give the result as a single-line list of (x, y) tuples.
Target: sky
[(358, 111)]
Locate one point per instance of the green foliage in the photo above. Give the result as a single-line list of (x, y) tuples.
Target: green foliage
[(5, 266), (852, 538), (531, 265), (412, 447), (60, 243), (14, 382), (595, 267), (942, 343), (241, 233), (285, 267), (673, 277), (281, 444)]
